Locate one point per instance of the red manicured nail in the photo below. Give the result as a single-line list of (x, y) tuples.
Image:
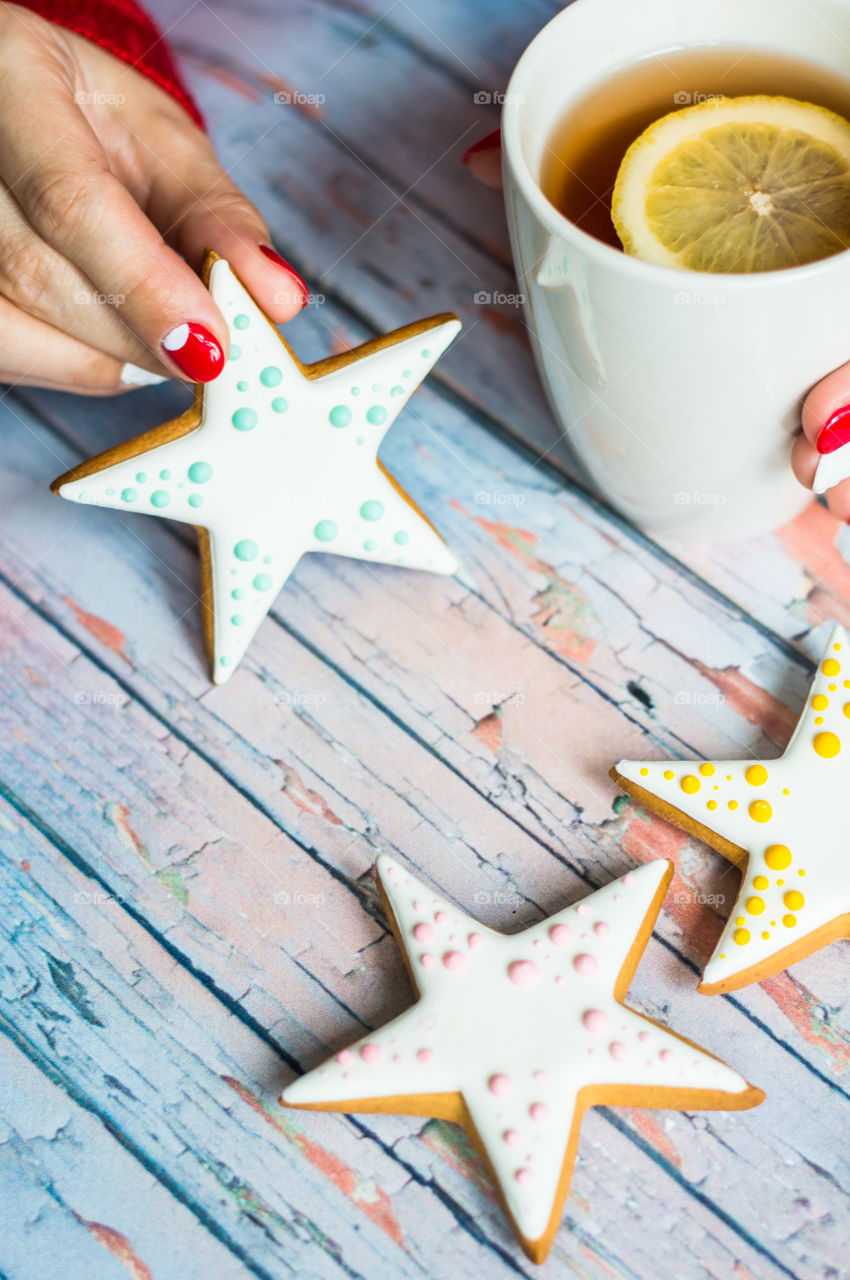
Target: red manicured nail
[(195, 351), (274, 256), (489, 143), (835, 432)]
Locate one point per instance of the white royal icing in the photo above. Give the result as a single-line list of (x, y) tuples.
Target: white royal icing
[(790, 815), (282, 464), (832, 469), (517, 1025)]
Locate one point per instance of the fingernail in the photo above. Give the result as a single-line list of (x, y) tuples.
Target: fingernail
[(133, 375), (834, 465), (274, 256), (195, 351), (489, 143), (835, 432)]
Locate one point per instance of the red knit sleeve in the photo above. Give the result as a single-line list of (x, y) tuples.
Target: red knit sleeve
[(124, 29)]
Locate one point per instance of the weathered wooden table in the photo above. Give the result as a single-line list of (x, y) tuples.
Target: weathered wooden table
[(188, 909)]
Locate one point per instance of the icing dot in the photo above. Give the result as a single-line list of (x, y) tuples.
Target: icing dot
[(425, 353), (200, 472), (644, 1037), (601, 929), (511, 1137), (423, 932), (733, 804), (371, 1053), (425, 1056), (831, 667), (741, 936), (165, 475), (818, 719), (427, 960), (585, 964), (159, 498), (238, 620), (340, 415), (820, 702), (789, 921), (196, 499), (594, 1020), (377, 414), (765, 933), (707, 769), (644, 773), (523, 972), (129, 495), (401, 538), (396, 391), (712, 804), (261, 582), (441, 917), (780, 883), (760, 811), (501, 1086), (246, 550), (475, 941), (372, 509), (801, 872), (666, 1055), (344, 1057), (141, 477), (241, 322), (271, 376), (524, 1176), (827, 745), (235, 351), (560, 935), (618, 1051), (846, 709), (454, 961), (237, 593), (583, 909), (755, 906), (793, 900), (280, 405), (741, 920), (242, 385), (326, 530), (756, 775), (778, 857), (761, 882), (244, 419), (669, 774), (690, 784), (539, 1112)]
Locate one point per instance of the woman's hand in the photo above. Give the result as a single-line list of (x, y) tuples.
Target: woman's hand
[(826, 430), (106, 186)]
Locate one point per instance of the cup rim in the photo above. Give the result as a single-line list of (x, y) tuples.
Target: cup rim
[(604, 255)]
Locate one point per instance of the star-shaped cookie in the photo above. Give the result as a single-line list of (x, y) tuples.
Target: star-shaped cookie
[(276, 458), (783, 822), (513, 1037)]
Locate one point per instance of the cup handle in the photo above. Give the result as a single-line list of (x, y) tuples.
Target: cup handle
[(560, 268)]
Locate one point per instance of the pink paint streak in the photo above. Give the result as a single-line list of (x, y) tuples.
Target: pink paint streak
[(119, 1246), (104, 632), (368, 1197)]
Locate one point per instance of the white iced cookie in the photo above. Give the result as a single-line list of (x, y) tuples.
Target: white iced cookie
[(784, 822), (274, 459), (515, 1036)]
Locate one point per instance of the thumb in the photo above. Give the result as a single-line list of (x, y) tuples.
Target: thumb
[(207, 210)]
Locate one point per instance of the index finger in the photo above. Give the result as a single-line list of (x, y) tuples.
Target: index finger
[(75, 204)]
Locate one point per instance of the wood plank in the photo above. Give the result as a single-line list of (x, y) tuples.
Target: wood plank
[(460, 867), (74, 1202), (190, 1088)]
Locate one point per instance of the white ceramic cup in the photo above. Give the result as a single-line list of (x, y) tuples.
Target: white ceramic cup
[(679, 392)]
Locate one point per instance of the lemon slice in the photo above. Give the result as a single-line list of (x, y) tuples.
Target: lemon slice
[(737, 184)]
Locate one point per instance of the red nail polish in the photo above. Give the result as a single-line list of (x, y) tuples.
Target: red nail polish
[(489, 143), (274, 256), (835, 432), (195, 351)]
